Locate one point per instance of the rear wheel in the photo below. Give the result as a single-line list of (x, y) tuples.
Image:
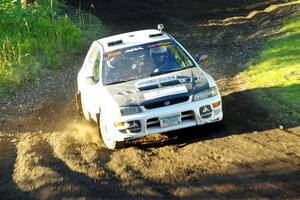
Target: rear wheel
[(109, 142)]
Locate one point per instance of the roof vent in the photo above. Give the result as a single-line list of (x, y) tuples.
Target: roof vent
[(113, 43), (155, 35)]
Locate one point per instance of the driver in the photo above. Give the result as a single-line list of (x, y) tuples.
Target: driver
[(159, 56)]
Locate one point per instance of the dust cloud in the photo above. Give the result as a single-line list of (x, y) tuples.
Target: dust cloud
[(70, 163), (48, 160)]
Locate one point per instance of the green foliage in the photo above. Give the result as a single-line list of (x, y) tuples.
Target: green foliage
[(32, 38), (278, 66)]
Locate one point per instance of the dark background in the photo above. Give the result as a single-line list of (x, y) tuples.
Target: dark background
[(148, 12)]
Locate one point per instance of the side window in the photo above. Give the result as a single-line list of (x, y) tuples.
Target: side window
[(93, 63), (96, 67)]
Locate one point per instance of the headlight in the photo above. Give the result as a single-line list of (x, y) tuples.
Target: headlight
[(211, 92), (130, 110)]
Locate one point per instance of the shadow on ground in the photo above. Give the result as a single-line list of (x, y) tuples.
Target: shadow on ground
[(8, 155), (188, 164), (47, 174), (243, 113), (52, 160)]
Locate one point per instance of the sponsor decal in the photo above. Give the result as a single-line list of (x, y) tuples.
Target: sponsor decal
[(159, 44), (205, 110), (93, 56), (134, 49), (113, 54), (165, 92), (134, 125)]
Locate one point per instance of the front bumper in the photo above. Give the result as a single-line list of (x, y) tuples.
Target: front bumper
[(189, 113)]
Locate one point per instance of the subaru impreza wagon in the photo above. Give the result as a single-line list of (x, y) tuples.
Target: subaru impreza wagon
[(144, 82)]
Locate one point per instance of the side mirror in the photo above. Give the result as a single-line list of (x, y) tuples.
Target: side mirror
[(90, 80), (201, 58)]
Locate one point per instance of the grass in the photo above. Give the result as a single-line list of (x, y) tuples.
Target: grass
[(277, 68), (35, 39)]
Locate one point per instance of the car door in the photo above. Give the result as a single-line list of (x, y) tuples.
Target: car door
[(91, 76)]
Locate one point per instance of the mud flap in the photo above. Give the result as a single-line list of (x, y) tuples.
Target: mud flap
[(98, 123), (78, 102)]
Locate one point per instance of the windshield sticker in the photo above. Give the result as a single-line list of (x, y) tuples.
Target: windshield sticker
[(134, 49), (113, 54), (93, 55), (159, 44), (164, 93)]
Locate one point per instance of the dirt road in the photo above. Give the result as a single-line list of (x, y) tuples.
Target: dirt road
[(48, 151)]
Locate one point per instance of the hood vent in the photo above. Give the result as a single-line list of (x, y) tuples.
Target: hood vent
[(148, 87), (170, 83), (158, 85)]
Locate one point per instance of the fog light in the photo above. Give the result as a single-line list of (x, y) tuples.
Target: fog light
[(129, 127), (133, 124), (216, 104), (119, 124), (217, 111)]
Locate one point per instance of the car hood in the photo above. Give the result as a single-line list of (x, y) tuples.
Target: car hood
[(163, 87)]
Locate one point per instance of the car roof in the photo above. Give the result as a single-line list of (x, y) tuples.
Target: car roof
[(134, 38)]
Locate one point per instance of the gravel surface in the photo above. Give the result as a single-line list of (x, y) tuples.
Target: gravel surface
[(48, 152)]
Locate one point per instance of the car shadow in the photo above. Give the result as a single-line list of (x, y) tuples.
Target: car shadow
[(9, 189), (243, 113), (263, 178)]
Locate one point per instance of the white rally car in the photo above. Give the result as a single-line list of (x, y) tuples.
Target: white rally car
[(144, 82)]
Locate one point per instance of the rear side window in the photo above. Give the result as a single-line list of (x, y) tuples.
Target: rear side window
[(96, 68), (93, 63)]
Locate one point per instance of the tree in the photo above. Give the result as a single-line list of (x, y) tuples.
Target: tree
[(26, 2)]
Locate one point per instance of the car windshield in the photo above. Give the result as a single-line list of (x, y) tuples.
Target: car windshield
[(142, 61)]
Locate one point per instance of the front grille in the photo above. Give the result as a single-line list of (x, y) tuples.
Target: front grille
[(167, 102), (185, 116), (153, 122)]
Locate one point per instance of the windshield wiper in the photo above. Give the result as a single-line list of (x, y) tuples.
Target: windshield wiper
[(165, 72)]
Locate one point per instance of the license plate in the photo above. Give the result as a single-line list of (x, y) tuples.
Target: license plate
[(170, 120)]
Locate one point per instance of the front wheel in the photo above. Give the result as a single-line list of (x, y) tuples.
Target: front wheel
[(109, 142)]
